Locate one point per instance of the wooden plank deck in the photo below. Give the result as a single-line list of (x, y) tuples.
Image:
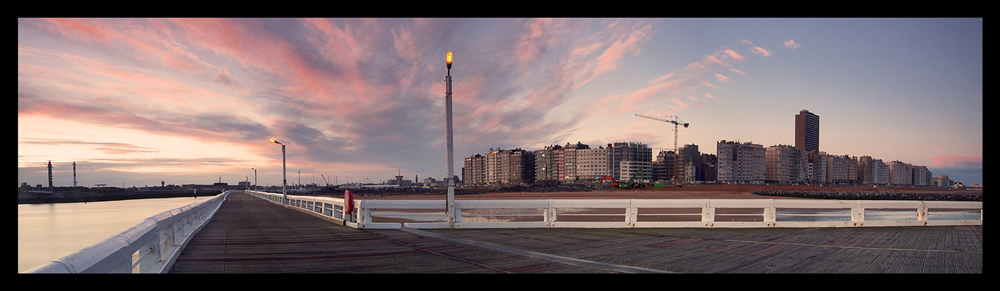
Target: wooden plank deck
[(250, 235), (882, 250)]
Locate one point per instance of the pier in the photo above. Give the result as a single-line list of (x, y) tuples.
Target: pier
[(253, 235)]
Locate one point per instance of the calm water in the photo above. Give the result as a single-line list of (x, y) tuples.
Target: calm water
[(47, 232)]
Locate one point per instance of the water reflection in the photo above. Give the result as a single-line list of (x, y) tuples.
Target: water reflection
[(47, 232)]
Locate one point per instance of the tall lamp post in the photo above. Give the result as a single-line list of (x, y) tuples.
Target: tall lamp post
[(284, 181), (451, 181), (254, 178)]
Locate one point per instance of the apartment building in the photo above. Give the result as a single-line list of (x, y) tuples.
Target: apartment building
[(807, 131), (663, 167), (474, 171), (817, 162), (785, 164), (900, 174), (689, 167), (627, 151), (921, 176), (709, 168), (546, 168), (513, 166), (741, 163), (592, 164), (630, 168), (841, 170), (566, 162), (872, 172), (941, 181)]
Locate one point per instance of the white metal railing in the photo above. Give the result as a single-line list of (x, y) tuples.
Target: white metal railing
[(630, 213), (151, 246), (327, 207)]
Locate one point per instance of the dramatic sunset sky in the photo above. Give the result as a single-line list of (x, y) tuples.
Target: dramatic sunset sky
[(139, 101)]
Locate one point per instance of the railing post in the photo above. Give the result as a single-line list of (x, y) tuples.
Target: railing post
[(550, 215), (922, 212), (769, 211), (858, 213), (631, 214)]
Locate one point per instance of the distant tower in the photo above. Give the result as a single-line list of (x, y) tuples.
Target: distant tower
[(74, 174), (807, 131), (50, 176)]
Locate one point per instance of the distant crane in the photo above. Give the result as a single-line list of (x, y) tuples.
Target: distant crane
[(324, 180), (676, 121)]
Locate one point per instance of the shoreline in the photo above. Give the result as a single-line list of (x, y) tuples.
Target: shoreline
[(76, 197), (688, 192)]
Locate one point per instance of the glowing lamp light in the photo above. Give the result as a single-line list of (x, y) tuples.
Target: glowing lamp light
[(274, 141), (449, 60)]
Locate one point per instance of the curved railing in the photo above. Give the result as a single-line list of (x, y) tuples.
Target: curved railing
[(151, 246)]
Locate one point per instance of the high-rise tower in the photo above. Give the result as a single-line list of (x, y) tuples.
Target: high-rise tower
[(807, 131), (50, 176)]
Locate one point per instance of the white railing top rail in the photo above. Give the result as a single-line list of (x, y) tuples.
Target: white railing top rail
[(547, 213), (151, 246)]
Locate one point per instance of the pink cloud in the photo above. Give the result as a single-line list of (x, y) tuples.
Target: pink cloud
[(224, 77), (262, 53), (734, 55), (722, 78), (532, 43), (690, 79), (621, 39), (136, 42), (681, 103), (791, 44), (756, 49), (627, 44), (760, 51), (708, 84), (958, 161)]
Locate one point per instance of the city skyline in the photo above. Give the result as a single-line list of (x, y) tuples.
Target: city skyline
[(139, 101)]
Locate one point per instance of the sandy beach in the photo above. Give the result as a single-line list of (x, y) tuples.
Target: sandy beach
[(686, 192)]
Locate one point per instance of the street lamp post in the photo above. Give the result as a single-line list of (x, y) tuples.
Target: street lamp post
[(254, 178), (451, 182), (284, 181)]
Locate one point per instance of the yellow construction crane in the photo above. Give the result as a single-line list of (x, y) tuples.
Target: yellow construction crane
[(676, 121)]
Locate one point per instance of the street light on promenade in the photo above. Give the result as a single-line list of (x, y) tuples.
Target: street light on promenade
[(451, 174), (254, 178), (284, 181)]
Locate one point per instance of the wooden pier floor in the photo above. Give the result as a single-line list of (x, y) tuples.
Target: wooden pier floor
[(250, 235)]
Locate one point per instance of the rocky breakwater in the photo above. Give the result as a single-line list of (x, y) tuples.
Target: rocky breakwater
[(943, 196)]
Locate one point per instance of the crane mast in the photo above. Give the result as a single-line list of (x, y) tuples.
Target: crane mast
[(676, 121)]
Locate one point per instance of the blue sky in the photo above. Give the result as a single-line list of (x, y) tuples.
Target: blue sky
[(139, 101)]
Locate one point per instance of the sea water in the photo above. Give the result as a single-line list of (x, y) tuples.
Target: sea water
[(47, 232)]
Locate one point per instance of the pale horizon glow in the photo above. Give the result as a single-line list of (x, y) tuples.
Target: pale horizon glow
[(196, 100)]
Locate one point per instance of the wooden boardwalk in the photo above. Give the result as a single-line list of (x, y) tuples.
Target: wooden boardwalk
[(250, 235)]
